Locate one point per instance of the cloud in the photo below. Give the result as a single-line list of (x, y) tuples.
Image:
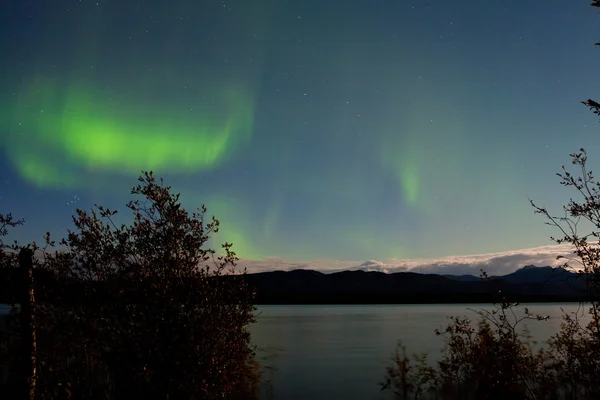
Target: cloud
[(492, 263)]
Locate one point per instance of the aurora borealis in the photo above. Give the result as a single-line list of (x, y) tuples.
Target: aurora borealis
[(344, 130), (119, 139)]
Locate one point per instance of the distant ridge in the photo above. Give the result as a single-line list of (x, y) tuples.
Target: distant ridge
[(529, 283), (526, 274), (533, 274)]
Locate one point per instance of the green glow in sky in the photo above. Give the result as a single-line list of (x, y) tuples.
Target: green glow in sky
[(405, 168), (235, 226), (410, 184), (58, 129)]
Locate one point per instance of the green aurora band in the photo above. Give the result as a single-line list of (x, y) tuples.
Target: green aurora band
[(54, 132)]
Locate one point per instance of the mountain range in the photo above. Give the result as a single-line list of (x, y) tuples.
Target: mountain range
[(529, 283)]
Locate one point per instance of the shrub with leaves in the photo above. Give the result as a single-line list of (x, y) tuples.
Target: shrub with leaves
[(145, 309), (491, 360)]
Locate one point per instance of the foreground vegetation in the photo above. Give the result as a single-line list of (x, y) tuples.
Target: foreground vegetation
[(184, 337), (495, 358)]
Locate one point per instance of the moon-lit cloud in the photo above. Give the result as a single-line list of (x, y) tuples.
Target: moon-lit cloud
[(493, 263)]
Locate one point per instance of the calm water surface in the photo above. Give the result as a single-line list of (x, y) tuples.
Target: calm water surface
[(340, 351)]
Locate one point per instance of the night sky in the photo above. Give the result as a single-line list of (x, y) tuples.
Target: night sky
[(323, 134)]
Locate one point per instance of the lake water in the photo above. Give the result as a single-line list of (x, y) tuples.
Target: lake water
[(341, 351)]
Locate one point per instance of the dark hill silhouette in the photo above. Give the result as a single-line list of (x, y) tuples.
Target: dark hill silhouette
[(532, 274), (465, 278), (311, 287), (345, 287)]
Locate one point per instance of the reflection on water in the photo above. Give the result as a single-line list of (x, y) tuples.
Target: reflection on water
[(340, 351)]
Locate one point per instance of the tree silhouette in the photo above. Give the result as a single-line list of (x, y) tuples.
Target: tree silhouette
[(145, 308)]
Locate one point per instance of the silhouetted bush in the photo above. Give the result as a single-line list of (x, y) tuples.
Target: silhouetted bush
[(493, 360), (160, 315)]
